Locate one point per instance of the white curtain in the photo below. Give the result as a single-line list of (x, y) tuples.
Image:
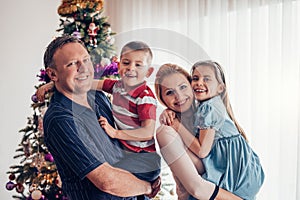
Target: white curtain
[(258, 44)]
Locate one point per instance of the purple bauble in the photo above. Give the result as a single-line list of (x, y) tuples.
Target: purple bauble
[(10, 185), (34, 98), (49, 157)]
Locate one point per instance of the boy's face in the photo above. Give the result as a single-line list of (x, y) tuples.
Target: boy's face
[(135, 67)]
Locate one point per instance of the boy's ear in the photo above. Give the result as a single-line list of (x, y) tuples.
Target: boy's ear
[(149, 72), (51, 73)]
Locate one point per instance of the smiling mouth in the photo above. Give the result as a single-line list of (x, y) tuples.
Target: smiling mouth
[(130, 75), (200, 90), (180, 103), (82, 78)]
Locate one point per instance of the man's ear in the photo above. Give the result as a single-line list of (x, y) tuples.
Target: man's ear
[(149, 72), (51, 73)]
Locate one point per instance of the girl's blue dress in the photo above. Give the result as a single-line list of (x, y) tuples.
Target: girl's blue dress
[(231, 163)]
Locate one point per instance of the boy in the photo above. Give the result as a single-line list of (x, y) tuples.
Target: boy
[(134, 109)]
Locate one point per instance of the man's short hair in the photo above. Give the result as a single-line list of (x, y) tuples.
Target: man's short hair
[(57, 43)]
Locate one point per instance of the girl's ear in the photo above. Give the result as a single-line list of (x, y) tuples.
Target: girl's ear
[(221, 88), (51, 73), (149, 72)]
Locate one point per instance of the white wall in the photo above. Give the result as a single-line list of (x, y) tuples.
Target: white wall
[(26, 29)]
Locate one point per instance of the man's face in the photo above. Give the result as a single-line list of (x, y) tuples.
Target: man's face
[(74, 71)]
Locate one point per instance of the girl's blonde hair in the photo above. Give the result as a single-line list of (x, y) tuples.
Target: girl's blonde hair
[(219, 73), (166, 70)]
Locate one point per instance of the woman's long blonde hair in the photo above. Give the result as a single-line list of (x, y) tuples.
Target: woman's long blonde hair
[(219, 73)]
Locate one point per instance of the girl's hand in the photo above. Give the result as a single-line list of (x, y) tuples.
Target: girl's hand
[(167, 117), (175, 124), (41, 91), (107, 127)]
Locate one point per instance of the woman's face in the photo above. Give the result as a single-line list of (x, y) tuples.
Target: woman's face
[(177, 92)]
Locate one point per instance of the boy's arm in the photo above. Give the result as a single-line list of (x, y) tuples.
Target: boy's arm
[(200, 147), (146, 132), (41, 91), (97, 85)]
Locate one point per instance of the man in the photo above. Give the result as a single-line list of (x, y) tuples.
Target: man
[(84, 154)]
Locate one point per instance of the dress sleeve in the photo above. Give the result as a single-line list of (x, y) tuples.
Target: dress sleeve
[(209, 117)]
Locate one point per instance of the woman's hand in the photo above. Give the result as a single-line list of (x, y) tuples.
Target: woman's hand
[(167, 117)]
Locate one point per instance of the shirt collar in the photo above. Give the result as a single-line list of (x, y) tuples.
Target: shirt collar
[(71, 105), (136, 91)]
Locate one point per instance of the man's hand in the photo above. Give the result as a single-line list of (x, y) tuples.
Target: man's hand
[(155, 188)]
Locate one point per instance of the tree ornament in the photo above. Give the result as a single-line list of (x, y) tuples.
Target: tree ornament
[(58, 181), (69, 7), (49, 157), (10, 185), (36, 194), (92, 32), (32, 188), (34, 98), (12, 177), (77, 34), (20, 188)]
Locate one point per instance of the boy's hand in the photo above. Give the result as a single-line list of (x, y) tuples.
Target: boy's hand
[(107, 127), (41, 91), (155, 188), (167, 117)]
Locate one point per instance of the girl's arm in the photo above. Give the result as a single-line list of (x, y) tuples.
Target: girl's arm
[(167, 117), (146, 132), (97, 85), (199, 146)]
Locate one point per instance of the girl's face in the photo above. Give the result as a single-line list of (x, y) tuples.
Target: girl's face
[(177, 92), (205, 84)]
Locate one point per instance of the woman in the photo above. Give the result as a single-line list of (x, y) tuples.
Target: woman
[(173, 89)]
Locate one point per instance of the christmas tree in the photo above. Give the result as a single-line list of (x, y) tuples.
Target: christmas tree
[(36, 176)]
